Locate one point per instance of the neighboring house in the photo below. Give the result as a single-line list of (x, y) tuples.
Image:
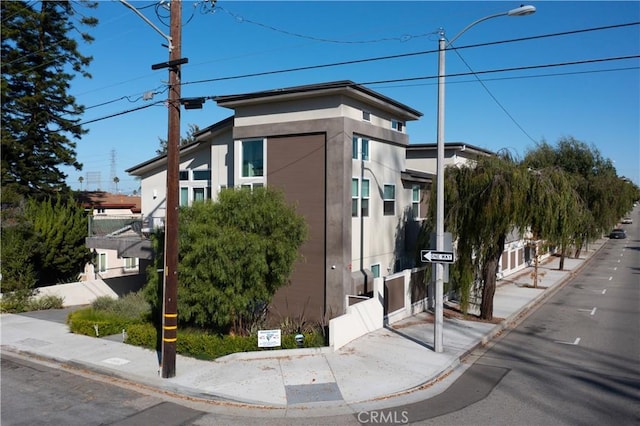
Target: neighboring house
[(112, 217), (337, 150)]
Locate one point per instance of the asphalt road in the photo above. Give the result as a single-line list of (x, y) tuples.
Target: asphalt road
[(574, 361)]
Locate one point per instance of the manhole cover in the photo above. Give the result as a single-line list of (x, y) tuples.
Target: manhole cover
[(34, 343)]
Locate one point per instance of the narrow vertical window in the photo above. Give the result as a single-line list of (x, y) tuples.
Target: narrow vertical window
[(102, 262), (375, 269), (354, 147), (365, 149), (184, 197), (365, 197), (389, 198), (415, 201), (354, 197)]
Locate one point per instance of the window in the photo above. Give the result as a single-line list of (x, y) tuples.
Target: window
[(102, 262), (397, 125), (130, 263), (375, 269), (389, 197), (360, 146), (252, 158), (184, 197), (198, 194), (354, 147), (366, 115), (356, 190), (354, 197), (415, 201), (365, 197), (202, 175), (184, 174)]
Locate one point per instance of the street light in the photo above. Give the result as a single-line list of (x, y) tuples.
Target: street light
[(442, 46)]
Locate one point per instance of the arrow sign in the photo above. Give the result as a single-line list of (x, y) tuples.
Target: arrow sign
[(436, 256)]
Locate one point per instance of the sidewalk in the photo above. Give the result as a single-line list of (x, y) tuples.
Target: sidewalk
[(388, 367)]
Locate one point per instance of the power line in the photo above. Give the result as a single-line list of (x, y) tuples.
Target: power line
[(401, 55), (494, 98), (399, 80)]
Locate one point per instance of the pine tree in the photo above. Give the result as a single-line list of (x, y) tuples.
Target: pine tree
[(39, 118)]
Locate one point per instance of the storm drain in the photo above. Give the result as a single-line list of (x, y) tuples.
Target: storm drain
[(316, 392)]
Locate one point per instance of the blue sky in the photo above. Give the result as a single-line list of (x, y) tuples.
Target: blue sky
[(597, 103)]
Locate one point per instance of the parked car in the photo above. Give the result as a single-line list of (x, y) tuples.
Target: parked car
[(618, 234), (627, 220)]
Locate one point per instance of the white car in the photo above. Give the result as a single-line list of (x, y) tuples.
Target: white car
[(627, 221)]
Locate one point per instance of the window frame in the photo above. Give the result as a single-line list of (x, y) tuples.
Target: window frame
[(415, 204)]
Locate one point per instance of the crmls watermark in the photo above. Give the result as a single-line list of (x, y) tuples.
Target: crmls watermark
[(383, 417)]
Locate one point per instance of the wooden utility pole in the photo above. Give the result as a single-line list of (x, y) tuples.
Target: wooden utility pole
[(170, 305)]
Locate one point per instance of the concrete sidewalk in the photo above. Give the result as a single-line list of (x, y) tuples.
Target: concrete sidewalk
[(385, 368)]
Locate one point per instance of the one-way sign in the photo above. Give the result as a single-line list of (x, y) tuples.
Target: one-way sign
[(436, 256)]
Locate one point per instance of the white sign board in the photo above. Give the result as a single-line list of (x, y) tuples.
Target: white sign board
[(269, 338)]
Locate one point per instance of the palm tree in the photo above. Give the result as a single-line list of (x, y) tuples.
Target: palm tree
[(80, 179), (116, 180)]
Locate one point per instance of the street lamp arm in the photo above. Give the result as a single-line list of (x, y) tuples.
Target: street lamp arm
[(518, 11), (464, 30), (151, 24)]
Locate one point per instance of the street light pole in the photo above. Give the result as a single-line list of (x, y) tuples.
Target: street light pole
[(442, 47)]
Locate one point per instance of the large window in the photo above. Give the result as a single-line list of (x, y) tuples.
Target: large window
[(389, 198), (252, 158)]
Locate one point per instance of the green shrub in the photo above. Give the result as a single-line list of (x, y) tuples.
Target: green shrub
[(143, 334), (46, 302), (131, 306), (86, 321)]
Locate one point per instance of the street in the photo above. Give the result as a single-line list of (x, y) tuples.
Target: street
[(575, 360)]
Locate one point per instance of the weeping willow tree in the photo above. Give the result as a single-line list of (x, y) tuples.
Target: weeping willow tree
[(556, 212), (485, 201)]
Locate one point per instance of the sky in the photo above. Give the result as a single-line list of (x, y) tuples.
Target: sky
[(551, 75)]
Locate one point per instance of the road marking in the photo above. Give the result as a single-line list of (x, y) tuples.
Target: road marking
[(605, 290), (574, 343), (610, 278), (593, 312)]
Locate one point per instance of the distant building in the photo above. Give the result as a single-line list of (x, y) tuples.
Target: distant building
[(112, 217)]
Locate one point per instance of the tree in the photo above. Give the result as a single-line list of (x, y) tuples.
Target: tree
[(485, 201), (39, 117), (60, 226), (234, 254), (116, 180), (602, 197), (189, 138)]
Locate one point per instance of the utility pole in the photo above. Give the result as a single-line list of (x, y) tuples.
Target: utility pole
[(170, 305)]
